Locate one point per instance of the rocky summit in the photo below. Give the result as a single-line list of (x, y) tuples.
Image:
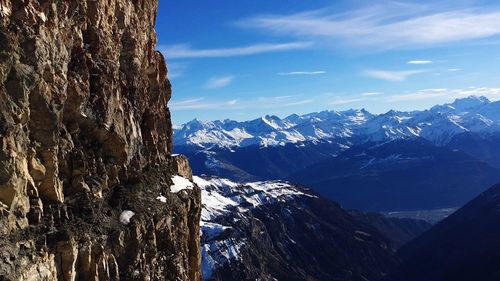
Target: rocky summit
[(85, 147)]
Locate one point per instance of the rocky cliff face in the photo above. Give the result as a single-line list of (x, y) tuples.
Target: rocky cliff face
[(85, 147)]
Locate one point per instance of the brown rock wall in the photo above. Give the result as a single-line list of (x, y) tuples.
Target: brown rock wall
[(85, 133)]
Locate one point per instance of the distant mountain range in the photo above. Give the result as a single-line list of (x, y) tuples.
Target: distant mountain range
[(404, 174), (422, 160), (438, 125), (436, 158)]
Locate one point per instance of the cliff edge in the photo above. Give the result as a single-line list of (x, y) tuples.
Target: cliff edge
[(85, 147)]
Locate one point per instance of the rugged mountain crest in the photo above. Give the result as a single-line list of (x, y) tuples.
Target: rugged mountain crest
[(437, 125), (275, 230), (85, 147)]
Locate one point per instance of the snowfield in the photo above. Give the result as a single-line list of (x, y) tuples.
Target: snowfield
[(221, 197), (218, 195)]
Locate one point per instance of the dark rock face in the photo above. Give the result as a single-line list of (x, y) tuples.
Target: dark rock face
[(465, 246), (484, 147), (398, 230), (255, 162), (278, 231), (85, 134)]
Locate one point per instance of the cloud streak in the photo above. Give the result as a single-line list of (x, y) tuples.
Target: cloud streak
[(177, 69), (420, 62), (318, 72), (186, 51), (200, 103), (446, 94), (370, 94), (393, 76), (386, 26), (345, 101), (300, 102), (218, 82), (234, 104)]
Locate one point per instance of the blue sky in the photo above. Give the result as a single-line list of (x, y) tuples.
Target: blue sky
[(248, 58)]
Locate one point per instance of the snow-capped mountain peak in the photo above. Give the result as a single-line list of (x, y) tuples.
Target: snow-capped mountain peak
[(463, 104), (438, 125)]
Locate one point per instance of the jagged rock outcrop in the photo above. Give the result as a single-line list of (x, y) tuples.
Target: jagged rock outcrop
[(85, 134), (181, 165)]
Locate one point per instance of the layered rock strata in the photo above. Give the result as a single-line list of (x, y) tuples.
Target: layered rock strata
[(85, 135)]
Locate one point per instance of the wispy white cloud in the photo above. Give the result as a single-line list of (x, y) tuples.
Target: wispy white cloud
[(276, 98), (345, 101), (194, 103), (300, 102), (419, 95), (188, 101), (278, 101), (318, 72), (332, 94), (367, 94), (177, 69), (234, 104), (186, 51), (200, 103), (454, 69), (395, 76), (446, 94), (420, 62), (218, 82), (385, 26)]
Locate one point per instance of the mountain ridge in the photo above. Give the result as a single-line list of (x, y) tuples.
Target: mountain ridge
[(405, 174), (275, 230), (437, 124)]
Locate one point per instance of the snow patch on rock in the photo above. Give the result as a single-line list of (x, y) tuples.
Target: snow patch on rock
[(162, 198), (180, 183), (125, 216)]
